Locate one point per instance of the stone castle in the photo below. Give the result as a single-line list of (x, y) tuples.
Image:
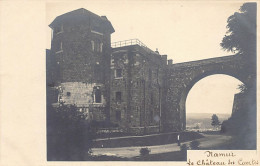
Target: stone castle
[(125, 82), (122, 82)]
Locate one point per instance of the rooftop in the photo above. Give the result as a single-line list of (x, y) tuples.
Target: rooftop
[(130, 42), (82, 15)]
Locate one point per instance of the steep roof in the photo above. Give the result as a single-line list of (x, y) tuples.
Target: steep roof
[(82, 15)]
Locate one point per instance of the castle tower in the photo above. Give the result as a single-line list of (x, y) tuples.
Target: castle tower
[(81, 48)]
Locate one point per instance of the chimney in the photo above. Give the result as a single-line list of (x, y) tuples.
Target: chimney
[(170, 62), (157, 51), (104, 17), (164, 59)]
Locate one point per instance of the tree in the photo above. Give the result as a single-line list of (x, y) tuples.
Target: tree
[(69, 135), (214, 120), (194, 145), (241, 39), (241, 34), (197, 126)]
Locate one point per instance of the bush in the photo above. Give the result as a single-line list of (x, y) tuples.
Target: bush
[(144, 151), (184, 147), (194, 145), (69, 135)]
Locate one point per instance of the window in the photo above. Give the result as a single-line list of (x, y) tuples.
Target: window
[(97, 95), (150, 74), (151, 117), (98, 47), (150, 77), (118, 96), (118, 115), (92, 45), (68, 93), (101, 47), (118, 73), (60, 49), (61, 46), (97, 69), (58, 29)]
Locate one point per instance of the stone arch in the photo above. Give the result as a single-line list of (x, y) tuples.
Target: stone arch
[(193, 81), (181, 77)]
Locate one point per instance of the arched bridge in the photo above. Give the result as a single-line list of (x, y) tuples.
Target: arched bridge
[(182, 76)]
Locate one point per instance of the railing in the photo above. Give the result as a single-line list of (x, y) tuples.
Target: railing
[(129, 43)]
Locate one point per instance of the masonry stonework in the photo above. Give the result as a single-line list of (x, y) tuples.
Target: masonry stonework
[(140, 84), (181, 78), (81, 50), (125, 83)]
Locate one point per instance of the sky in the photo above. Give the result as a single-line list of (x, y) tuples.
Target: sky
[(213, 94), (184, 31)]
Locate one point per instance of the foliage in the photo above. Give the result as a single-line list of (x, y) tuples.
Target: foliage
[(104, 124), (224, 126), (241, 38), (197, 126), (194, 145), (183, 149), (241, 34), (214, 120), (242, 126), (144, 151), (69, 135), (242, 88)]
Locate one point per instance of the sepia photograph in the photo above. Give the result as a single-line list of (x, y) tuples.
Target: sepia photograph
[(92, 83), (150, 94)]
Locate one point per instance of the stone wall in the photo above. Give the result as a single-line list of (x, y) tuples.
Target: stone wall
[(140, 85), (181, 78), (138, 88), (83, 96), (80, 60), (144, 130), (239, 102), (76, 59)]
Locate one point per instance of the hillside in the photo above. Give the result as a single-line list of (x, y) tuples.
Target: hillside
[(202, 120)]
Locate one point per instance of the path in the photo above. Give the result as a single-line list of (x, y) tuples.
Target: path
[(206, 142)]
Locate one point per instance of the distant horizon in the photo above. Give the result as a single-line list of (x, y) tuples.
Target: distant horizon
[(207, 113)]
